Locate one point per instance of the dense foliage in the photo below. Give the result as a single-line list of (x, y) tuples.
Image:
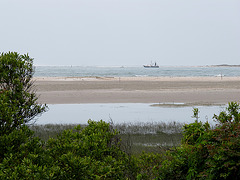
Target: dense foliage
[(89, 153), (95, 152), (17, 98), (18, 102), (207, 153)]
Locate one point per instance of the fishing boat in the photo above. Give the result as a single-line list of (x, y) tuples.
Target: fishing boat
[(152, 65)]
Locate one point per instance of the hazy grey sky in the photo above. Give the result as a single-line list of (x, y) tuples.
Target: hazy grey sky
[(122, 32)]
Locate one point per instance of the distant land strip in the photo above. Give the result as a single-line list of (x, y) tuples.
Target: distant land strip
[(195, 90)]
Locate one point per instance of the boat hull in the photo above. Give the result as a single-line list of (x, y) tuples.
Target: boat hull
[(150, 66)]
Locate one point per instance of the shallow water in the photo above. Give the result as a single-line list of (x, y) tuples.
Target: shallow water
[(124, 113)]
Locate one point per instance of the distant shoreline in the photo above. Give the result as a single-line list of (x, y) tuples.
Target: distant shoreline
[(225, 65), (195, 90)]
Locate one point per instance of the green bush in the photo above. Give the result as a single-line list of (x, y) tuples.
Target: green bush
[(29, 162), (18, 101), (19, 151), (90, 153), (207, 153), (17, 97), (148, 165)]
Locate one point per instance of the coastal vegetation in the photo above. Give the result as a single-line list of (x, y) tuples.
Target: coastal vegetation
[(101, 150)]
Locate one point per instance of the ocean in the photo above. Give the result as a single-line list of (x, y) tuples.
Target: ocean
[(93, 71)]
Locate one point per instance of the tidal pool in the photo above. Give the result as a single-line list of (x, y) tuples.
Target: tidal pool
[(124, 113)]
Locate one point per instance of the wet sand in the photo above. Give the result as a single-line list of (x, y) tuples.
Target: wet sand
[(193, 90)]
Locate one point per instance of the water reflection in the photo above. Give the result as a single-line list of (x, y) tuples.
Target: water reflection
[(123, 113)]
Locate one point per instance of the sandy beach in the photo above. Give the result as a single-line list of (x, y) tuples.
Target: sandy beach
[(194, 90)]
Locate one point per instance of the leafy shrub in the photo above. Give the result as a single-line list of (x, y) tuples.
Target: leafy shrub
[(207, 153), (29, 162), (148, 164), (19, 151), (90, 153), (18, 102), (17, 98)]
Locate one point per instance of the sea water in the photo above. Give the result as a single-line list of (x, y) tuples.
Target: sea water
[(93, 71)]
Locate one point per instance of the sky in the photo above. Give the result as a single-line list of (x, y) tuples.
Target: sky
[(122, 32)]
